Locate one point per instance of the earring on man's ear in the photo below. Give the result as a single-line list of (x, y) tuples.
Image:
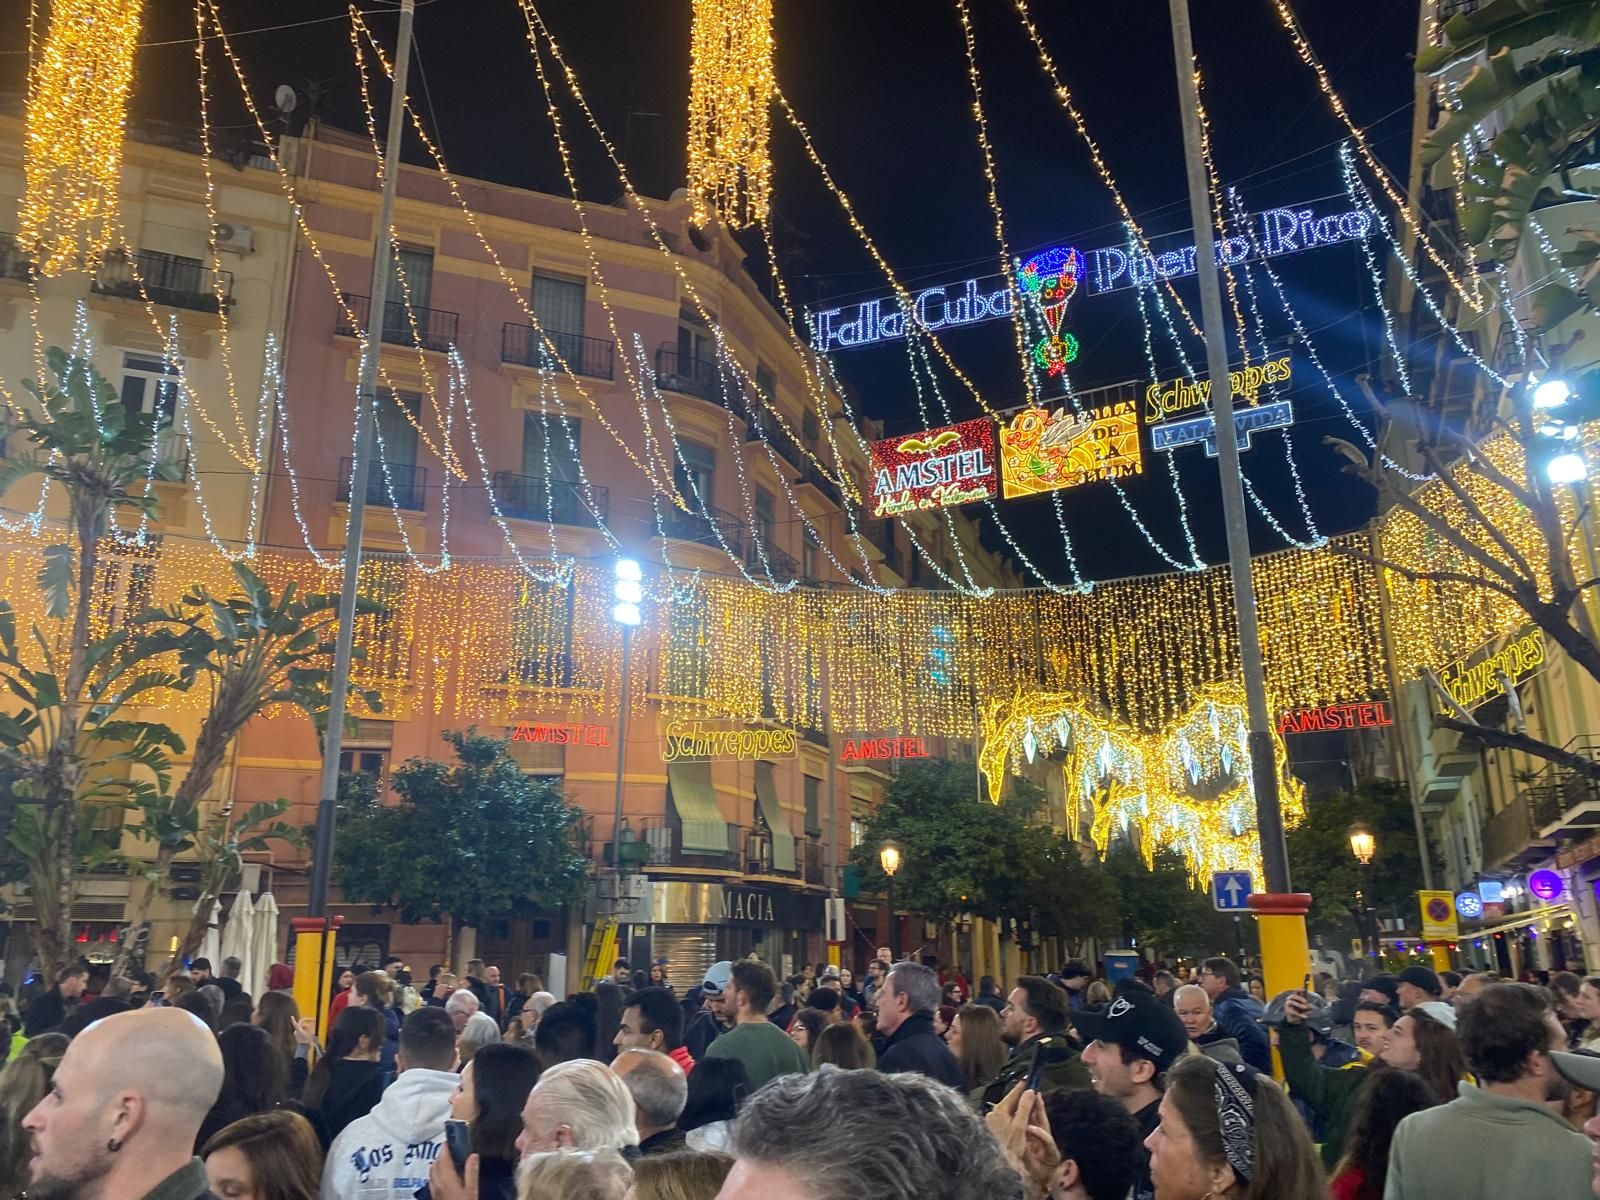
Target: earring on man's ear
[(113, 1146)]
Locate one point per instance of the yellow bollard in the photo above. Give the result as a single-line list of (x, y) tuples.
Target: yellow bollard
[(313, 988), (1285, 948), (833, 954), (1441, 956)]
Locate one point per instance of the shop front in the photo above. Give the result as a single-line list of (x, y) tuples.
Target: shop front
[(693, 925)]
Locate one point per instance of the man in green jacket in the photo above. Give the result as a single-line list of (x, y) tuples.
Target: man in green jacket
[(1330, 1092), (1500, 1138), (1034, 1021)]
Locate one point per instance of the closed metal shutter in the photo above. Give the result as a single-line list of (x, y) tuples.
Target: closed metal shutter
[(689, 950)]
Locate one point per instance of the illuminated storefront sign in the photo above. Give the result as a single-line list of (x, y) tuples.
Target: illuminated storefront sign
[(1367, 714), (1175, 397), (695, 741), (1476, 678), (1042, 451), (562, 733), (879, 749), (1279, 231), (1546, 885), (1174, 435), (934, 469)]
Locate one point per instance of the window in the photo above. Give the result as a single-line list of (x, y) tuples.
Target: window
[(398, 435), (150, 385), (410, 279), (765, 383), (766, 509), (858, 831), (810, 556), (813, 805), (550, 444), (809, 428), (695, 473), (367, 762), (688, 662), (540, 759), (541, 637), (694, 344), (558, 302)]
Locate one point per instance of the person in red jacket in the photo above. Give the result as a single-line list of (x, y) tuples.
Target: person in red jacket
[(341, 996)]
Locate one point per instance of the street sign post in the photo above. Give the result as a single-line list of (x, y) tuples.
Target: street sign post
[(1230, 891)]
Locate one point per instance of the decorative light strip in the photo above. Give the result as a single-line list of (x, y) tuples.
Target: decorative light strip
[(730, 94)]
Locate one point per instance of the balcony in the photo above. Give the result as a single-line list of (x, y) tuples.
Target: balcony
[(689, 374), (1566, 805), (781, 566), (525, 346), (407, 484), (532, 498), (14, 264), (703, 528), (883, 538), (764, 426), (436, 329), (665, 842), (166, 279), (1510, 840), (812, 476)]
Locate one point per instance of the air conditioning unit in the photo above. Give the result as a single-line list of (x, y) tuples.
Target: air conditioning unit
[(241, 239)]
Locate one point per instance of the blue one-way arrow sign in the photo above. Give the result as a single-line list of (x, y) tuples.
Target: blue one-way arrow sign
[(1230, 891)]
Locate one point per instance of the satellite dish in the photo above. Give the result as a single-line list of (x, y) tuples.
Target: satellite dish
[(285, 98)]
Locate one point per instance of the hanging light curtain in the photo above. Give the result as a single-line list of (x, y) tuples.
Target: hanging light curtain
[(730, 103)]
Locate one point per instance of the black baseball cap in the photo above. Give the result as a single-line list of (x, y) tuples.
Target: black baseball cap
[(1139, 1021), (1388, 985), (1423, 978), (1076, 970)]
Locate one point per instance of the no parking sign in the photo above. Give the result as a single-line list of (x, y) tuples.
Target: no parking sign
[(1438, 917)]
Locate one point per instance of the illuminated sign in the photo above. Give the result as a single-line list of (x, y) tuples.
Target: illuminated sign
[(1367, 714), (880, 749), (1476, 678), (1546, 885), (934, 469), (1042, 451), (1438, 916), (562, 733), (1279, 231), (694, 741), (1175, 397), (1174, 435), (1492, 891), (1469, 905), (1051, 279)]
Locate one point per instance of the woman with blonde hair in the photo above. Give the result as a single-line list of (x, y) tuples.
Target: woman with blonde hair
[(682, 1175), (23, 1083), (574, 1175), (975, 1041)]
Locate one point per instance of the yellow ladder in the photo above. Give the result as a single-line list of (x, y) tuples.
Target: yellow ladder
[(602, 951)]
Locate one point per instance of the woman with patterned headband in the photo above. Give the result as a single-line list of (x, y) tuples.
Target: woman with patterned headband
[(1230, 1133)]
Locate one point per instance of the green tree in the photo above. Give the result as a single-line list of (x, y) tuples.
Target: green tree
[(1161, 908), (467, 839), (1320, 861), (959, 853), (68, 747), (1075, 897)]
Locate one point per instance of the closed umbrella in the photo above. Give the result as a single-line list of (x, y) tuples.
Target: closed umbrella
[(239, 937), (264, 948), (210, 945)]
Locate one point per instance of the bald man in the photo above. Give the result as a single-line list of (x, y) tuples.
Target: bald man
[(120, 1119), (660, 1090)]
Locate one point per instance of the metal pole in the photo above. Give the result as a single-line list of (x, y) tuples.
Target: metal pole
[(833, 793), (1269, 818), (622, 755), (366, 396), (894, 925)]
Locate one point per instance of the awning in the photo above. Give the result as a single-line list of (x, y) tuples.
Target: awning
[(777, 820), (689, 788)]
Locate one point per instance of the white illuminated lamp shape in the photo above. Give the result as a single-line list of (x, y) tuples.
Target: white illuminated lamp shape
[(1567, 467), (1552, 393), (628, 592)]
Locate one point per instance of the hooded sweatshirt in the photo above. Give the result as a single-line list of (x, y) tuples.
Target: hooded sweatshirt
[(386, 1154)]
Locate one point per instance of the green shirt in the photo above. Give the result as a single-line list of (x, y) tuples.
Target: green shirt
[(188, 1182), (765, 1050)]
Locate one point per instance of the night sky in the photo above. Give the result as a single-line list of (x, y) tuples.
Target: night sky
[(883, 85)]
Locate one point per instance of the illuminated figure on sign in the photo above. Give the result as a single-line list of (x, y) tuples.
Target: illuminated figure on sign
[(1041, 451), (1050, 278)]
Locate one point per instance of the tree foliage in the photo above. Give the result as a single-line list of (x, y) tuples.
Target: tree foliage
[(1161, 907), (468, 838), (1320, 861)]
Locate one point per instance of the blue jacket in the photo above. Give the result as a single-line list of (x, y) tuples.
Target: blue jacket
[(1239, 1015)]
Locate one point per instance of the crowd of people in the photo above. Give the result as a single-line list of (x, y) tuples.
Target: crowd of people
[(1412, 1086)]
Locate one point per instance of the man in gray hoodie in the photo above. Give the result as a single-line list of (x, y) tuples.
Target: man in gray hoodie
[(386, 1154), (1501, 1137)]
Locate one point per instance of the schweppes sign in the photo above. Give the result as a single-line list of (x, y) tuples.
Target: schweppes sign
[(695, 741), (1476, 677), (1171, 398)]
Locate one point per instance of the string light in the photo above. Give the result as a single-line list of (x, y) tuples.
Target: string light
[(730, 97), (72, 158)]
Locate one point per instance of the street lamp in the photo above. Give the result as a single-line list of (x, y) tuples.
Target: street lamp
[(889, 860), (1365, 847), (629, 594)]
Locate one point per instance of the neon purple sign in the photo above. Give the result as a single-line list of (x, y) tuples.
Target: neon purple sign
[(1546, 885)]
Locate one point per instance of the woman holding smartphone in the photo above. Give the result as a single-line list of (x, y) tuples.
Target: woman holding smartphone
[(486, 1118)]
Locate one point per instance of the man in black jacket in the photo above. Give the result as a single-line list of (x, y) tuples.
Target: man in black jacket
[(906, 1005), (1035, 1022), (47, 1010)]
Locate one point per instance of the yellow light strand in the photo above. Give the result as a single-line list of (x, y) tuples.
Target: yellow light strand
[(730, 97)]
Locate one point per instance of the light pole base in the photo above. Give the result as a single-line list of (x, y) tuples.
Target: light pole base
[(1441, 955), (313, 987), (1285, 948)]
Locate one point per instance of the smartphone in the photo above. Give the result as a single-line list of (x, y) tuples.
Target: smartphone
[(1305, 986), (1044, 1058), (458, 1137)]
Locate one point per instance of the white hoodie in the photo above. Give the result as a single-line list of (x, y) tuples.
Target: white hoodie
[(386, 1154)]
